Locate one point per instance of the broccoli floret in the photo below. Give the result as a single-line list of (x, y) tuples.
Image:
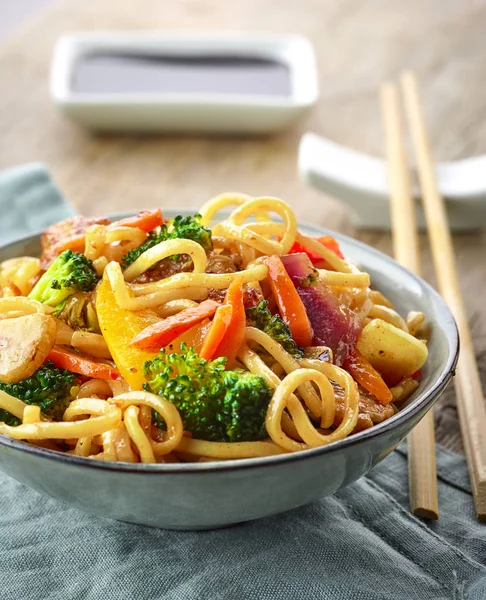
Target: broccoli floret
[(215, 404), (9, 418), (274, 326), (188, 228), (50, 388), (152, 240), (70, 272)]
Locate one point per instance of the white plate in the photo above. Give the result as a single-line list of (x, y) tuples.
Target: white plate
[(202, 112)]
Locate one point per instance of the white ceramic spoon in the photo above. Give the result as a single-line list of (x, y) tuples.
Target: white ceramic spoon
[(360, 181)]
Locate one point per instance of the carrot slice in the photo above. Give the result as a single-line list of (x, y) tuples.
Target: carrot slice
[(64, 359), (368, 377), (146, 220), (288, 301), (219, 326), (235, 332), (167, 330), (76, 244)]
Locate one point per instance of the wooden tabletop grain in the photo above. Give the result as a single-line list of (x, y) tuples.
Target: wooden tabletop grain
[(358, 45)]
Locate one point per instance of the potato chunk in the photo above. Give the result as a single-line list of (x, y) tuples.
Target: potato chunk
[(25, 343), (393, 352)]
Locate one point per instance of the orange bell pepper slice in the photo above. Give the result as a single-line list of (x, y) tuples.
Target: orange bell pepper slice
[(227, 330), (65, 359), (154, 337), (193, 338), (368, 377), (289, 304), (146, 220), (119, 327)]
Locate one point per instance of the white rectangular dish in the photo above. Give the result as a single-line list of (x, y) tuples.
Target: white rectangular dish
[(183, 82)]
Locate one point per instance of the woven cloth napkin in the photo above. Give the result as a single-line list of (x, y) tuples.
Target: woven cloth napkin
[(362, 543)]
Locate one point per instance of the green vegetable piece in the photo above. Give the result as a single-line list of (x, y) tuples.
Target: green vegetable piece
[(70, 272), (79, 312), (9, 418), (215, 404), (188, 228), (274, 326), (50, 388)]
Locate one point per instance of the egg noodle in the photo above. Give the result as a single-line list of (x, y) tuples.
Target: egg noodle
[(313, 401)]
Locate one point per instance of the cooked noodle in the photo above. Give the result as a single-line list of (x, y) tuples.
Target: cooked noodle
[(315, 395)]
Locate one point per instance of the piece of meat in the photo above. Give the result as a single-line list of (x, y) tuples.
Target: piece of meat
[(56, 236), (217, 263), (221, 263), (370, 413), (216, 295), (252, 297), (322, 353), (166, 268)]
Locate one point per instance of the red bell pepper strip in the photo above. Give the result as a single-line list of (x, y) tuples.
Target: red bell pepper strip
[(146, 220), (326, 240), (65, 359), (289, 304), (368, 377), (154, 337)]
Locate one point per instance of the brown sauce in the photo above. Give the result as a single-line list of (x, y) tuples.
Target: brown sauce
[(127, 73)]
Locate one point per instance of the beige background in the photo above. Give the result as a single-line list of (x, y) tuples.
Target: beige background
[(358, 45)]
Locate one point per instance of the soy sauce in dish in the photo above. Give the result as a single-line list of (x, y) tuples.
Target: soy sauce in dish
[(134, 73)]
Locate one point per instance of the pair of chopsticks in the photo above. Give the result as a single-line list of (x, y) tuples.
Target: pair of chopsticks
[(470, 401)]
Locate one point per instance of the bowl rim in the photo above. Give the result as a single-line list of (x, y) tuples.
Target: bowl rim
[(423, 401)]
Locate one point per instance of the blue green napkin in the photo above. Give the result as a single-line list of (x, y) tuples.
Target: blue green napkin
[(360, 544), (29, 201)]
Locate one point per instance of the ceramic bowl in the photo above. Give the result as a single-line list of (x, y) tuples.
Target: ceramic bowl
[(209, 495)]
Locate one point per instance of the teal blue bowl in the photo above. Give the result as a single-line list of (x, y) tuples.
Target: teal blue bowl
[(209, 495)]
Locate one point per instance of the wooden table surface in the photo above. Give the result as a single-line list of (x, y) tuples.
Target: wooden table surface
[(358, 44)]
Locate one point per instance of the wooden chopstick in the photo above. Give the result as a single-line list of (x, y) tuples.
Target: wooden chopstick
[(470, 401), (422, 470)]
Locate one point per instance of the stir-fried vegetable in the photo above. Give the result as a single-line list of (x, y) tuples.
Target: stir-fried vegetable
[(364, 373), (79, 312), (333, 324), (326, 240), (215, 404), (274, 326), (395, 353), (70, 272), (49, 388), (154, 337), (119, 327), (188, 228), (65, 359), (289, 304), (146, 220), (24, 345), (228, 327)]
